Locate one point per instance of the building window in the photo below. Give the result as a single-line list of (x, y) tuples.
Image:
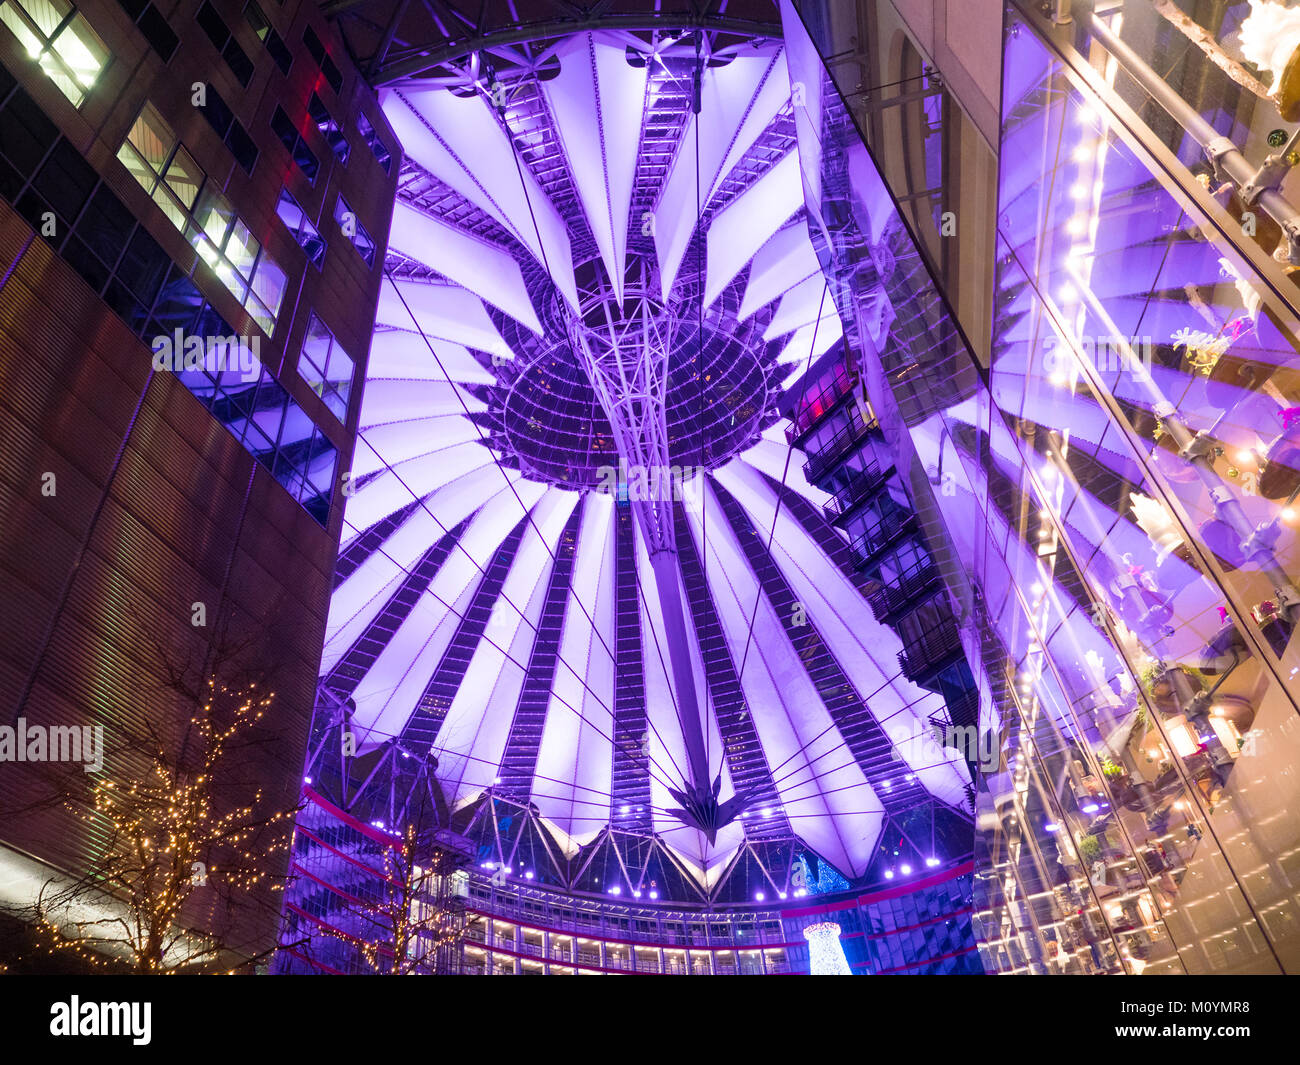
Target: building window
[(352, 228), (300, 228), (329, 129), (297, 147), (102, 241), (169, 174), (224, 42), (153, 27), (326, 368), (373, 142), (271, 40), (235, 137), (323, 60), (59, 38)]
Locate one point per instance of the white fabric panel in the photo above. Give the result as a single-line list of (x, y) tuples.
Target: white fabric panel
[(463, 132), (805, 304), (444, 312), (388, 693), (402, 482), (668, 759), (401, 442), (805, 70), (727, 102), (746, 224), (773, 95), (774, 457), (811, 342), (483, 268), (391, 687), (406, 355), (576, 756), (389, 400), (472, 738), (827, 798), (785, 260), (601, 132), (866, 649), (355, 602)]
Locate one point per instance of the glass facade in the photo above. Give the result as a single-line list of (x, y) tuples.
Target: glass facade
[(1140, 372), (1113, 494)]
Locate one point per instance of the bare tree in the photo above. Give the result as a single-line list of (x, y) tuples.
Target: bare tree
[(185, 840)]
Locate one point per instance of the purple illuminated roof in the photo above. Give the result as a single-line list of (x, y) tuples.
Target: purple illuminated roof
[(585, 277)]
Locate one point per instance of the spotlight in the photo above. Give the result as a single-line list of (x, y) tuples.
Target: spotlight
[(759, 896), (906, 870), (932, 862), (889, 874)]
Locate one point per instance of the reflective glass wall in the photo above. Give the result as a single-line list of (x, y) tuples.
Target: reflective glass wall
[(1117, 495)]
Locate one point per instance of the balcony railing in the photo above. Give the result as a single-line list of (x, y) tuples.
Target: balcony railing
[(814, 408), (889, 599), (831, 450), (862, 485), (879, 535), (930, 651)]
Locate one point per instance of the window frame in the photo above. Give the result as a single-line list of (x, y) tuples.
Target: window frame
[(73, 23)]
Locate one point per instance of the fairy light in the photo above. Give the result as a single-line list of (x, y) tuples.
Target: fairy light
[(825, 952), (167, 835)]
